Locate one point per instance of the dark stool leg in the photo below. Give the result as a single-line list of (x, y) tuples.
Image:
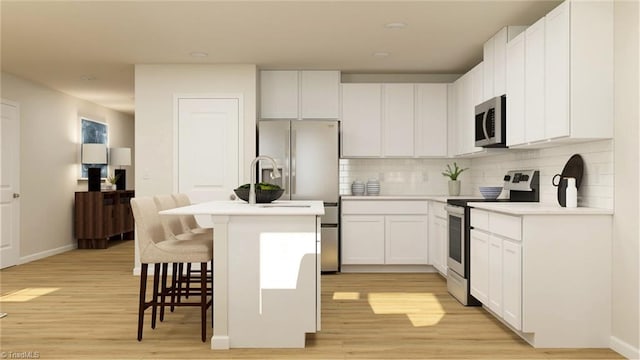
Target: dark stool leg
[(141, 304), (186, 296), (174, 285), (180, 281), (163, 291), (154, 300)]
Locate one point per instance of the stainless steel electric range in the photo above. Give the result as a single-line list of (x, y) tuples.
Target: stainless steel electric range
[(523, 186)]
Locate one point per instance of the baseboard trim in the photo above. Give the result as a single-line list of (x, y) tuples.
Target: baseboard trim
[(624, 349), (219, 342), (47, 253)]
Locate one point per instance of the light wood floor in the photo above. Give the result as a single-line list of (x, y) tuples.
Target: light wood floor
[(83, 305)]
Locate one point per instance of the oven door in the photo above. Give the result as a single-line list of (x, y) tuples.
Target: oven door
[(456, 241)]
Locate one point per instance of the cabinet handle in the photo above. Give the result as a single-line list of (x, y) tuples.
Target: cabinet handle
[(511, 251), (16, 195)]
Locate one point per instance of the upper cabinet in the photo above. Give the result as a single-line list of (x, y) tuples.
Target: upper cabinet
[(361, 120), (293, 94), (495, 59), (469, 89), (568, 77), (394, 120)]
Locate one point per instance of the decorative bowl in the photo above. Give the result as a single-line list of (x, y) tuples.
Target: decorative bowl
[(490, 192), (262, 196)]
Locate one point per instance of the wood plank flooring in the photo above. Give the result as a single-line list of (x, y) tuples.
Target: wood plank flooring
[(83, 305)]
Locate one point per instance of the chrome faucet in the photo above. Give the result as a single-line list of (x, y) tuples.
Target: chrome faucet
[(252, 187)]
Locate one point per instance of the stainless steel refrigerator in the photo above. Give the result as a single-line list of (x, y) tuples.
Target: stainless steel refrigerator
[(306, 153)]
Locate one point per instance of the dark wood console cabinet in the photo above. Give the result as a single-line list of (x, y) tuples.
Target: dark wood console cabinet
[(102, 215)]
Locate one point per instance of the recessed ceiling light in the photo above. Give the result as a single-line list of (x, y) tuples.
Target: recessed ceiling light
[(380, 54), (199, 54), (395, 25), (88, 77)]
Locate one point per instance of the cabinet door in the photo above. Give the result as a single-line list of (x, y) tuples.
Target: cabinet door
[(556, 71), (465, 119), (279, 94), (499, 63), (489, 66), (361, 120), (319, 94), (362, 239), (495, 274), (512, 284), (516, 91), (479, 259), (398, 132), (406, 239), (534, 82), (437, 244), (431, 120)]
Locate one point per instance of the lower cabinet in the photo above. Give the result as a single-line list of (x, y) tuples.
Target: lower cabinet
[(384, 233), (547, 275), (496, 265), (363, 239), (438, 236)]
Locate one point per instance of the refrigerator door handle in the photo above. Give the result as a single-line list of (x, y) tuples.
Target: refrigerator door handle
[(293, 160), (287, 155)]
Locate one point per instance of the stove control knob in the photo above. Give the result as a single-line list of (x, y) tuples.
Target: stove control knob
[(507, 178), (524, 177)]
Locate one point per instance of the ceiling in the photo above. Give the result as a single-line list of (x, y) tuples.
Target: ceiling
[(88, 49)]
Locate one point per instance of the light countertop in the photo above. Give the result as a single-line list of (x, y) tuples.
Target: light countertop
[(440, 198), (240, 208), (529, 208)]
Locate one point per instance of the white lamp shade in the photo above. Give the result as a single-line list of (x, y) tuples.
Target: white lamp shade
[(94, 153), (120, 156)]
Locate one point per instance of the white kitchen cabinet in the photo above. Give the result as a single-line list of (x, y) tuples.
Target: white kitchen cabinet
[(534, 82), (398, 120), (479, 261), (384, 232), (363, 238), (406, 239), (495, 274), (452, 116), (394, 120), (516, 90), (431, 120), (579, 100), (495, 58), (565, 99), (361, 120), (438, 236), (542, 280), (279, 94), (319, 94), (512, 283), (294, 94), (469, 93)]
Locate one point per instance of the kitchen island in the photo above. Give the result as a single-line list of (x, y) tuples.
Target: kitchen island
[(266, 272)]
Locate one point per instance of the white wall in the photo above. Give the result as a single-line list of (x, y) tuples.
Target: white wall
[(155, 87), (49, 155), (626, 234)]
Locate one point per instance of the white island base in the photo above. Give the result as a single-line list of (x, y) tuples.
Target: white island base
[(266, 281)]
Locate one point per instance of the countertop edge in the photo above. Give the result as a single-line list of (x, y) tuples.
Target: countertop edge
[(515, 208)]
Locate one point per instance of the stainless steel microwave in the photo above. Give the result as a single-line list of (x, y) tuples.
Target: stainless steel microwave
[(490, 123)]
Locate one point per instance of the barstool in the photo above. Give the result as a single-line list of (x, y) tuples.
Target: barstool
[(159, 248), (173, 226)]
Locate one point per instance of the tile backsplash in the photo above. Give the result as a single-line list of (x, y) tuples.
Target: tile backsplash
[(423, 176)]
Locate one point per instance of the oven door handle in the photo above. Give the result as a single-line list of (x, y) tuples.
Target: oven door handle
[(454, 209)]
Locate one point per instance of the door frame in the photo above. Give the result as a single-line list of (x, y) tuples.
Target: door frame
[(214, 96), (16, 178)]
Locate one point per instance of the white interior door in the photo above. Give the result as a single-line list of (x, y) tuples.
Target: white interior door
[(208, 147), (9, 185)]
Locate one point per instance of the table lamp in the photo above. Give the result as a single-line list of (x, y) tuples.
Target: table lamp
[(120, 157), (94, 154)]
